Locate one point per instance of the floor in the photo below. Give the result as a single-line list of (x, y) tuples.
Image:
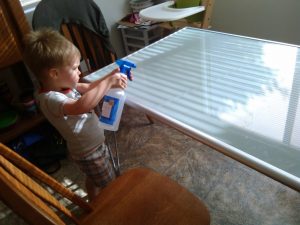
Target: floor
[(234, 193)]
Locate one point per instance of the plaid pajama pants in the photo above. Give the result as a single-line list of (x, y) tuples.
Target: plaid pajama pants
[(97, 166)]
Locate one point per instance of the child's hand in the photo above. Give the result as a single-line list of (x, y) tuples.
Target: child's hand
[(117, 70), (118, 80)]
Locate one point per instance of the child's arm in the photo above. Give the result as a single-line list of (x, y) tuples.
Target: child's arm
[(84, 87), (94, 92)]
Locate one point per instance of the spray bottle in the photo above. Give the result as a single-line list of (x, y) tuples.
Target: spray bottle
[(113, 101)]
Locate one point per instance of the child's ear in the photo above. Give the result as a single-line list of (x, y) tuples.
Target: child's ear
[(53, 73)]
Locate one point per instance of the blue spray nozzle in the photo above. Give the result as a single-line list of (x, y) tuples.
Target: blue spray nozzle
[(125, 67)]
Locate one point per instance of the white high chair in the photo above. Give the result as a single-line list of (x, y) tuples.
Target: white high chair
[(165, 13)]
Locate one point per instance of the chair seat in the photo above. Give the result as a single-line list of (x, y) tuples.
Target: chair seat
[(141, 196)]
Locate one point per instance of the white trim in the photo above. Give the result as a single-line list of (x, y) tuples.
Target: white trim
[(25, 3), (29, 5)]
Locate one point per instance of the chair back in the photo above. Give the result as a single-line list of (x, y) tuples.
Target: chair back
[(82, 23), (138, 196), (91, 46), (27, 197)]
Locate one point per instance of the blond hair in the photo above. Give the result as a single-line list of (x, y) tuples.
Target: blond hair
[(46, 49)]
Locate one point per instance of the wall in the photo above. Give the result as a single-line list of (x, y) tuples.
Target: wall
[(113, 13), (268, 19), (276, 20)]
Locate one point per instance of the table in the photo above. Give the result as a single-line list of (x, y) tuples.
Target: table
[(237, 94)]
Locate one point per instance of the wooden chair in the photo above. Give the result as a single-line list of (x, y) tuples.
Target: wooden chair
[(81, 22), (91, 46), (139, 196)]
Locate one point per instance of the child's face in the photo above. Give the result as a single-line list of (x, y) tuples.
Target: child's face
[(69, 74)]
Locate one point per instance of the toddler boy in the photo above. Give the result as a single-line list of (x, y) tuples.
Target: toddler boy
[(68, 104)]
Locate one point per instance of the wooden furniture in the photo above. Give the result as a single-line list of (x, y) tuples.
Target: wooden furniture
[(204, 22), (93, 52), (209, 4), (23, 125), (83, 24), (139, 196), (13, 27)]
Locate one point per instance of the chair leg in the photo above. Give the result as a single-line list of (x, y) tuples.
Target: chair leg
[(150, 119)]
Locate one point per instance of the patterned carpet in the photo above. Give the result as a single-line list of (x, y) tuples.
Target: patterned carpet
[(234, 193)]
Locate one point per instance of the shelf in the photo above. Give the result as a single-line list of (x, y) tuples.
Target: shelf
[(24, 124)]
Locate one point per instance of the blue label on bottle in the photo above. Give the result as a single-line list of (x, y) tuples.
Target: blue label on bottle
[(109, 110)]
